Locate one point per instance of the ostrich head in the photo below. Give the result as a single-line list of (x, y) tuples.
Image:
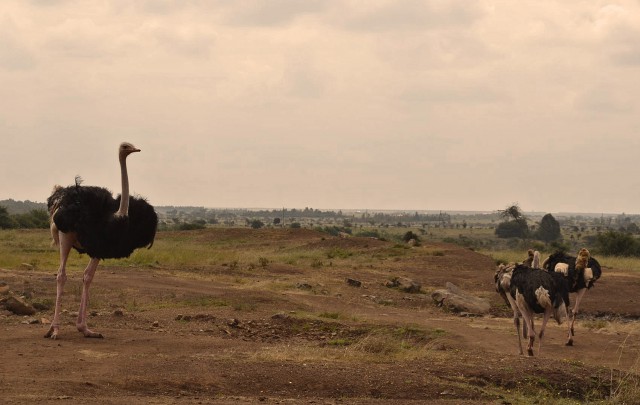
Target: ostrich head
[(126, 149), (583, 259)]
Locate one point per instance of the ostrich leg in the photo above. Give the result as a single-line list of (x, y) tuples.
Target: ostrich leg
[(545, 319), (516, 321), (574, 312), (81, 324), (66, 241), (527, 317)]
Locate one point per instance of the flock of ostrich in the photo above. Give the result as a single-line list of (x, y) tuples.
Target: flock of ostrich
[(532, 288), (90, 220)]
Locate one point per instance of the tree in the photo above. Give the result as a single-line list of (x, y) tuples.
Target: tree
[(515, 224), (549, 229), (512, 229), (410, 235), (256, 224), (512, 212), (5, 220)]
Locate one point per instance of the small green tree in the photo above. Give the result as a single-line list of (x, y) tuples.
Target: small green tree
[(410, 235), (512, 229), (6, 221), (515, 224), (549, 229), (256, 224), (512, 212)]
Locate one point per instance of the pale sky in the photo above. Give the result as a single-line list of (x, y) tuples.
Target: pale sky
[(426, 105)]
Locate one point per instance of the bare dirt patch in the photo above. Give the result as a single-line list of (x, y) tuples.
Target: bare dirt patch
[(295, 333)]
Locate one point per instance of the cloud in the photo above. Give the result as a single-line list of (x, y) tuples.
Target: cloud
[(15, 52), (272, 13), (408, 15)]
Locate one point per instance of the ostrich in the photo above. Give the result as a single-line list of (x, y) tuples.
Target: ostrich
[(533, 259), (580, 272), (502, 279), (537, 291), (91, 221)]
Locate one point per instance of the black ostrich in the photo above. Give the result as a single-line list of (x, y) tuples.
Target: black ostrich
[(580, 273), (537, 291), (502, 280), (91, 221)]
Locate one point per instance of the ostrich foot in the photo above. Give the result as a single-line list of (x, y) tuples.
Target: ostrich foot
[(52, 333), (569, 342), (89, 333), (530, 352)]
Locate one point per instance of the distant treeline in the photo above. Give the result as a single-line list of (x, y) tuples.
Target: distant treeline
[(224, 214), (36, 218), (22, 207)]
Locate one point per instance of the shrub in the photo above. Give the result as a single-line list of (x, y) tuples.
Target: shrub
[(190, 226), (614, 243), (512, 229), (256, 224), (369, 234), (410, 235)]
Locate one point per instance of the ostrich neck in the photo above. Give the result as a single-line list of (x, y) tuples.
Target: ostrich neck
[(124, 197)]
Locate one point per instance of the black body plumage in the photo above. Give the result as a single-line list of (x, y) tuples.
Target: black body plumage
[(526, 281), (575, 278), (90, 212)]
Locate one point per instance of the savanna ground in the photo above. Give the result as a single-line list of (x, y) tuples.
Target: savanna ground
[(233, 316)]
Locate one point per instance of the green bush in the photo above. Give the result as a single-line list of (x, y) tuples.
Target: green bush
[(513, 229), (190, 226), (614, 243)]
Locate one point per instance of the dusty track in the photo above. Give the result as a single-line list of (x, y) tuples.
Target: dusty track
[(264, 340)]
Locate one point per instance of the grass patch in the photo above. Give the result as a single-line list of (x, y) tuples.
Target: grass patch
[(330, 315), (595, 324)]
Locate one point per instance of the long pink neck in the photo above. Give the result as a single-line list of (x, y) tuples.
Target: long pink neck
[(124, 197)]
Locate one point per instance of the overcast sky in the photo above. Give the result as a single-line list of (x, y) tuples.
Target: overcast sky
[(425, 105)]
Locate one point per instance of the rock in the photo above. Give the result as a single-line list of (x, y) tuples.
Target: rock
[(118, 312), (458, 300), (404, 284), (155, 324), (41, 306), (26, 266), (17, 305), (304, 286), (4, 288), (354, 283)]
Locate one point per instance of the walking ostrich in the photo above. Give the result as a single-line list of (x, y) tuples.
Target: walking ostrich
[(537, 291), (580, 272), (91, 221), (502, 279)]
